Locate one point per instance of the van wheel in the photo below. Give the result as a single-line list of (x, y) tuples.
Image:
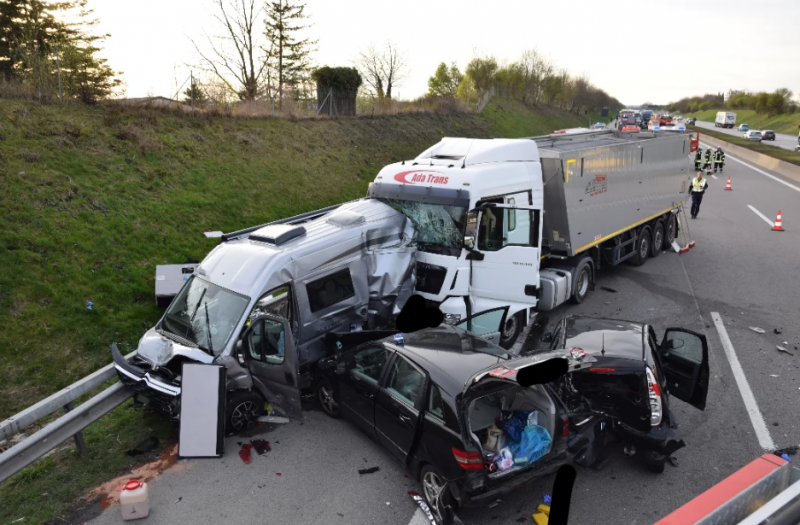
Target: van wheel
[(658, 239), (642, 247), (583, 280), (511, 330), (243, 410), (328, 399), (434, 488)]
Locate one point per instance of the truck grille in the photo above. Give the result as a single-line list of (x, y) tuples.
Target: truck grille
[(430, 278)]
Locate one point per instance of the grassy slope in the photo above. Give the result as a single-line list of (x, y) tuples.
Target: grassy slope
[(772, 151), (94, 198), (780, 124)]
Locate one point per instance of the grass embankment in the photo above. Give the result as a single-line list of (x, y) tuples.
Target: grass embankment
[(787, 124), (93, 198), (772, 151)]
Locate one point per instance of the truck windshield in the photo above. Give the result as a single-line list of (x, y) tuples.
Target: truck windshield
[(204, 314), (440, 227)]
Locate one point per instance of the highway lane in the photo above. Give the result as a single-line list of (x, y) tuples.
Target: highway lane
[(738, 268), (781, 140)]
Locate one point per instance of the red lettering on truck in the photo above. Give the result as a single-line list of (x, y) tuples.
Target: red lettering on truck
[(421, 177)]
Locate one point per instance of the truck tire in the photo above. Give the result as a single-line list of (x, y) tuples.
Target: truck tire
[(658, 239), (511, 330), (583, 282), (642, 246), (671, 230)]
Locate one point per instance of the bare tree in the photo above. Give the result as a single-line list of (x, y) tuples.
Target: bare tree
[(236, 58), (382, 70)]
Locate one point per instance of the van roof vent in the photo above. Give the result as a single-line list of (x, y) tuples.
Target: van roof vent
[(346, 219), (277, 234)]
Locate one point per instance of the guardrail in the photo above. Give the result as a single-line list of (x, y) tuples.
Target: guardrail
[(69, 425)]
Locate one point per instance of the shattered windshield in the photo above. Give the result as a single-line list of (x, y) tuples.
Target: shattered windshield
[(437, 224), (204, 314)]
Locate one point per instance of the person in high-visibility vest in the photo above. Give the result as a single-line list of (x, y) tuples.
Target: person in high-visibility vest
[(698, 187), (698, 159), (719, 159)]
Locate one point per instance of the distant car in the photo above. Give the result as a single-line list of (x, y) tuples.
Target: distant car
[(744, 127), (691, 120), (679, 119), (767, 134), (753, 135)]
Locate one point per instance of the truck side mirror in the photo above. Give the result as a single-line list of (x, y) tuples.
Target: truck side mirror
[(469, 242)]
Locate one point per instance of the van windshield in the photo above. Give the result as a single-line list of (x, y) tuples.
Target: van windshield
[(440, 227), (204, 314)]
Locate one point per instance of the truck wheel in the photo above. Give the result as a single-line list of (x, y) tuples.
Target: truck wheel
[(243, 410), (583, 280), (642, 247), (658, 239), (511, 330), (670, 231)]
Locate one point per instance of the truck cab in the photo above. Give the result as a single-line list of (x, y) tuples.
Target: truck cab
[(477, 206)]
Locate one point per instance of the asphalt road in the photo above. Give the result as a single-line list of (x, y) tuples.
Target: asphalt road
[(738, 268), (781, 140)]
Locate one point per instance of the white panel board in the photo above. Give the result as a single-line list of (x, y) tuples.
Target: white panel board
[(202, 414)]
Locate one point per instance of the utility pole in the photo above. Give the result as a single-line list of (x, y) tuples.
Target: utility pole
[(191, 88), (58, 67)]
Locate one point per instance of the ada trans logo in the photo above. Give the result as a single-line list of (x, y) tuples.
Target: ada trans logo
[(597, 186), (420, 177)]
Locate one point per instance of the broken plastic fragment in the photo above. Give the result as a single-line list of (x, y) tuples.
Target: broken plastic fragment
[(89, 305), (547, 498), (244, 453), (786, 457), (782, 349), (276, 420), (606, 288), (368, 470), (757, 330)]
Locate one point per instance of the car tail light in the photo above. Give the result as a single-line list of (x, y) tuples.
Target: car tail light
[(654, 393), (468, 460), (565, 428)]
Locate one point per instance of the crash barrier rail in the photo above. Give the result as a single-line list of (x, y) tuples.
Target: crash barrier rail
[(69, 425)]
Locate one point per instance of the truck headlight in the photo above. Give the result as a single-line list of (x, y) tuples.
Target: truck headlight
[(452, 318)]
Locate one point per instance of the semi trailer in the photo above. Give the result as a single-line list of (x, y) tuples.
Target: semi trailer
[(471, 225)]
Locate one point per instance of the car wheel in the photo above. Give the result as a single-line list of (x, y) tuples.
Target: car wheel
[(658, 239), (511, 330), (435, 491), (243, 410), (583, 281), (327, 398), (642, 247)]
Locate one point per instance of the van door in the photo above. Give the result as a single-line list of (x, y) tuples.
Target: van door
[(505, 259), (269, 351), (684, 356)]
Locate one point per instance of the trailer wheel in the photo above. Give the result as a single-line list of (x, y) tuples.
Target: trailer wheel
[(583, 281), (642, 247), (511, 330), (658, 239), (670, 231)]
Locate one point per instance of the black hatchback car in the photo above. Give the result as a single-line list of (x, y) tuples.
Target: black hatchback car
[(432, 399), (767, 134)]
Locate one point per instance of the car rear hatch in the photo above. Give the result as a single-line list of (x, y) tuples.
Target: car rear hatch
[(522, 380)]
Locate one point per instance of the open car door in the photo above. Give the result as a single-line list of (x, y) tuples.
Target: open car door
[(268, 349), (487, 324), (684, 359)]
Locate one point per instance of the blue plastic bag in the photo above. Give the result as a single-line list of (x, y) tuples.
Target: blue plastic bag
[(533, 445), (516, 423)]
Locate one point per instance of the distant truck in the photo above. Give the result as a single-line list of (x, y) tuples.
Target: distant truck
[(725, 120), (647, 114)]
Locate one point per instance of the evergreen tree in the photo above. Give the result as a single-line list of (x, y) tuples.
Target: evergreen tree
[(195, 94), (289, 54)]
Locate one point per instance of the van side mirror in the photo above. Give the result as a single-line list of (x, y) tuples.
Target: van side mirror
[(547, 337), (469, 242)]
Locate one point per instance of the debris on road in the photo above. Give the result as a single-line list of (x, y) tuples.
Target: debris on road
[(179, 499), (607, 289), (261, 446), (773, 375), (777, 331), (673, 461), (278, 474), (147, 445), (790, 450), (244, 453), (423, 505), (782, 349), (495, 503), (786, 457), (757, 330), (370, 470), (277, 420)]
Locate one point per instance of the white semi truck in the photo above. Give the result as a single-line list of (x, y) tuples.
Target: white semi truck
[(518, 225), (725, 120)]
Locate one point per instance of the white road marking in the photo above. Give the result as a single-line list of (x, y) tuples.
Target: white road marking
[(762, 432), (761, 215), (762, 172), (713, 175)]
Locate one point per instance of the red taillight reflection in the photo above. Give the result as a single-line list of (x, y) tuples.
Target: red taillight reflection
[(602, 370), (565, 430)]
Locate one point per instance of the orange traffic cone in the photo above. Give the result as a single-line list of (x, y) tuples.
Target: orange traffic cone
[(778, 227), (728, 186)]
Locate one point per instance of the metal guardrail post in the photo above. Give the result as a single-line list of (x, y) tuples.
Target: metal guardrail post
[(80, 444)]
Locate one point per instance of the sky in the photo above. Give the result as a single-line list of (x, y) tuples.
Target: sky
[(638, 51)]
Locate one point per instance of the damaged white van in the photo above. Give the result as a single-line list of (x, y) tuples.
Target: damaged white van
[(347, 269)]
